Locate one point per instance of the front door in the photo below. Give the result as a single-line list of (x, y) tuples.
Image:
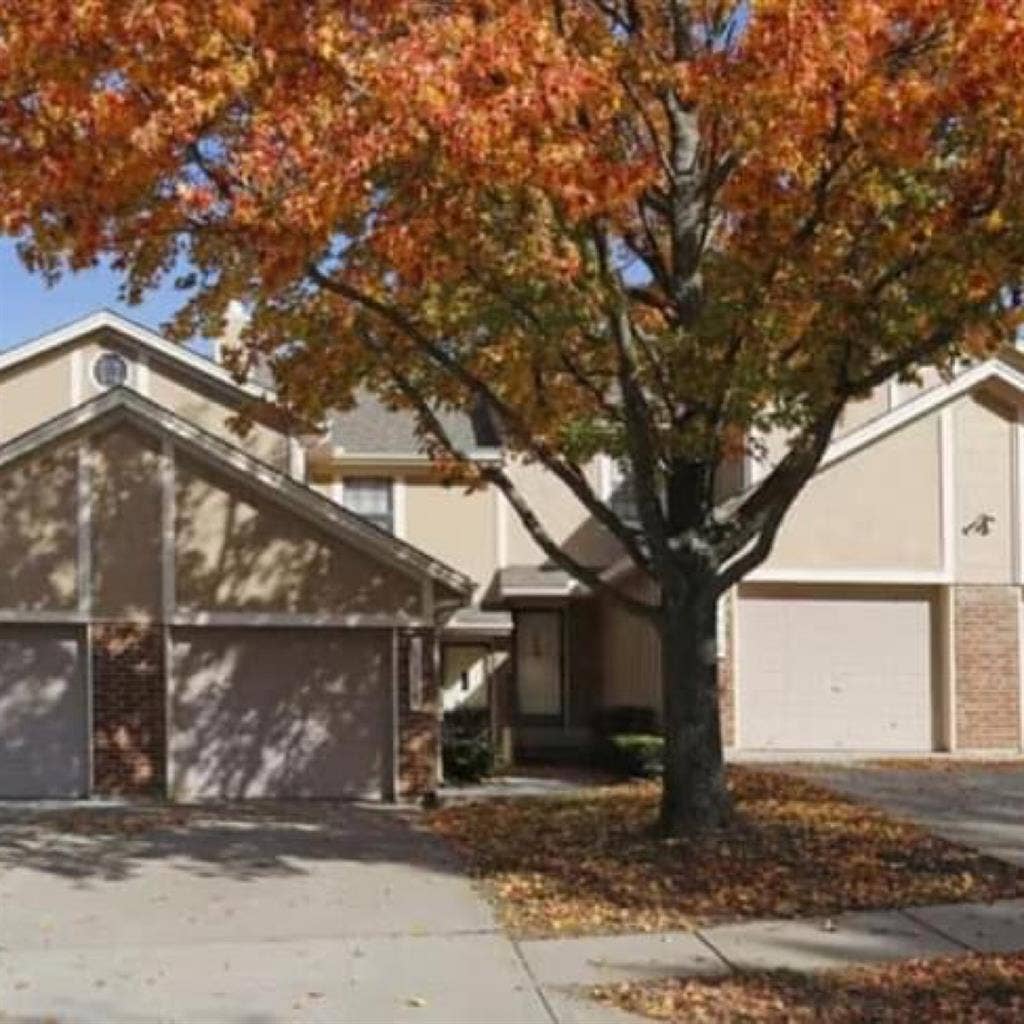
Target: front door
[(539, 663)]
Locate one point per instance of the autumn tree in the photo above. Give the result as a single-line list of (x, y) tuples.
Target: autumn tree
[(653, 229)]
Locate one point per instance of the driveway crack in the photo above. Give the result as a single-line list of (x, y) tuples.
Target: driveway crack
[(921, 922)]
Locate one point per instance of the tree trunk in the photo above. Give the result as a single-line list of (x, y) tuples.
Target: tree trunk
[(694, 794)]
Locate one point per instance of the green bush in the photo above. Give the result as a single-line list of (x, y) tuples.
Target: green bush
[(637, 755), (467, 758)]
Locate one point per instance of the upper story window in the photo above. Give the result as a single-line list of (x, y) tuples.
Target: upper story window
[(110, 370), (371, 497)]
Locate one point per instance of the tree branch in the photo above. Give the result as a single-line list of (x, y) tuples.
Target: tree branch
[(431, 423), (570, 475)]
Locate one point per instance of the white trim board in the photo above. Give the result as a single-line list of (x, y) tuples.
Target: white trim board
[(1020, 669), (168, 527), (340, 458), (255, 620), (84, 496), (258, 620), (913, 577), (947, 491), (399, 506), (1018, 504)]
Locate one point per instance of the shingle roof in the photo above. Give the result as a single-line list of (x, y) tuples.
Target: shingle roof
[(372, 428)]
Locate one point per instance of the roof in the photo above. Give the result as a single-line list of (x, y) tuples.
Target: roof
[(1004, 368), (106, 319), (299, 498), (371, 429), (474, 623), (517, 582)]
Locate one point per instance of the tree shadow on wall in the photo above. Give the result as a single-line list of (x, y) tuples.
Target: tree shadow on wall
[(279, 712)]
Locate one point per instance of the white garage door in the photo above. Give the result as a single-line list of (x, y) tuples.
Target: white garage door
[(279, 713), (44, 731), (835, 669)]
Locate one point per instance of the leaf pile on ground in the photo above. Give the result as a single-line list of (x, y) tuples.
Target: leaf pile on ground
[(592, 863), (980, 989)]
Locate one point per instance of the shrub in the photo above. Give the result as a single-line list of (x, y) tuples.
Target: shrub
[(467, 759), (466, 750), (636, 754)]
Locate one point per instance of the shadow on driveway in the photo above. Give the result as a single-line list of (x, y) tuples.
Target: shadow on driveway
[(242, 842)]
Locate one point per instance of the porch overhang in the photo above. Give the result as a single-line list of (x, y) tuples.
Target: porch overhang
[(520, 586)]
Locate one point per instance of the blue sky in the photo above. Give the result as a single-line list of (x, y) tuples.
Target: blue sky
[(28, 308)]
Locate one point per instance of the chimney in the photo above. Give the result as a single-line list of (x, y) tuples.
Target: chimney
[(236, 321)]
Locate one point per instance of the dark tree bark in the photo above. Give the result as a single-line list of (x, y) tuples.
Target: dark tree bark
[(694, 793)]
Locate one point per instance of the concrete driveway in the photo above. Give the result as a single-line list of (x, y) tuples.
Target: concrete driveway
[(255, 914), (977, 806)]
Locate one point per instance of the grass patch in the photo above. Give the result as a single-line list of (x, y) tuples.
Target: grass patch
[(977, 988), (591, 864)]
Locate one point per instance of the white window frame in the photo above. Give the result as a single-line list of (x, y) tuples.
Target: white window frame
[(341, 497)]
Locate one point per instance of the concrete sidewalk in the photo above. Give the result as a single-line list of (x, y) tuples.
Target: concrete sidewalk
[(801, 945)]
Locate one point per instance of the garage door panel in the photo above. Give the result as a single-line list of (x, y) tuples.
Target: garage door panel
[(831, 671), (279, 713), (44, 732)]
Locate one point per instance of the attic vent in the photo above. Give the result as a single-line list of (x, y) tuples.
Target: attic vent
[(110, 370)]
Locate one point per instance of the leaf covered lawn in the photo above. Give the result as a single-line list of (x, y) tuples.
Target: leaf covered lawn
[(591, 864), (975, 989)]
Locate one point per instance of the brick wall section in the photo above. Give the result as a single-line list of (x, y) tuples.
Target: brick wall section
[(419, 730), (986, 661), (129, 710)]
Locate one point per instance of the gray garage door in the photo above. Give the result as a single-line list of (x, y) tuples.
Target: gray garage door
[(279, 712), (44, 732)]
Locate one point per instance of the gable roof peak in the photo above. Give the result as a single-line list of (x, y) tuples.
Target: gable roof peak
[(107, 319)]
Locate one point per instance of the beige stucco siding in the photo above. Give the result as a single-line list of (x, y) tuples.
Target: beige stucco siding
[(33, 393), (236, 551), (862, 411), (983, 470), (565, 519), (880, 508), (630, 652), (454, 526), (39, 532), (126, 526), (279, 713), (213, 412)]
